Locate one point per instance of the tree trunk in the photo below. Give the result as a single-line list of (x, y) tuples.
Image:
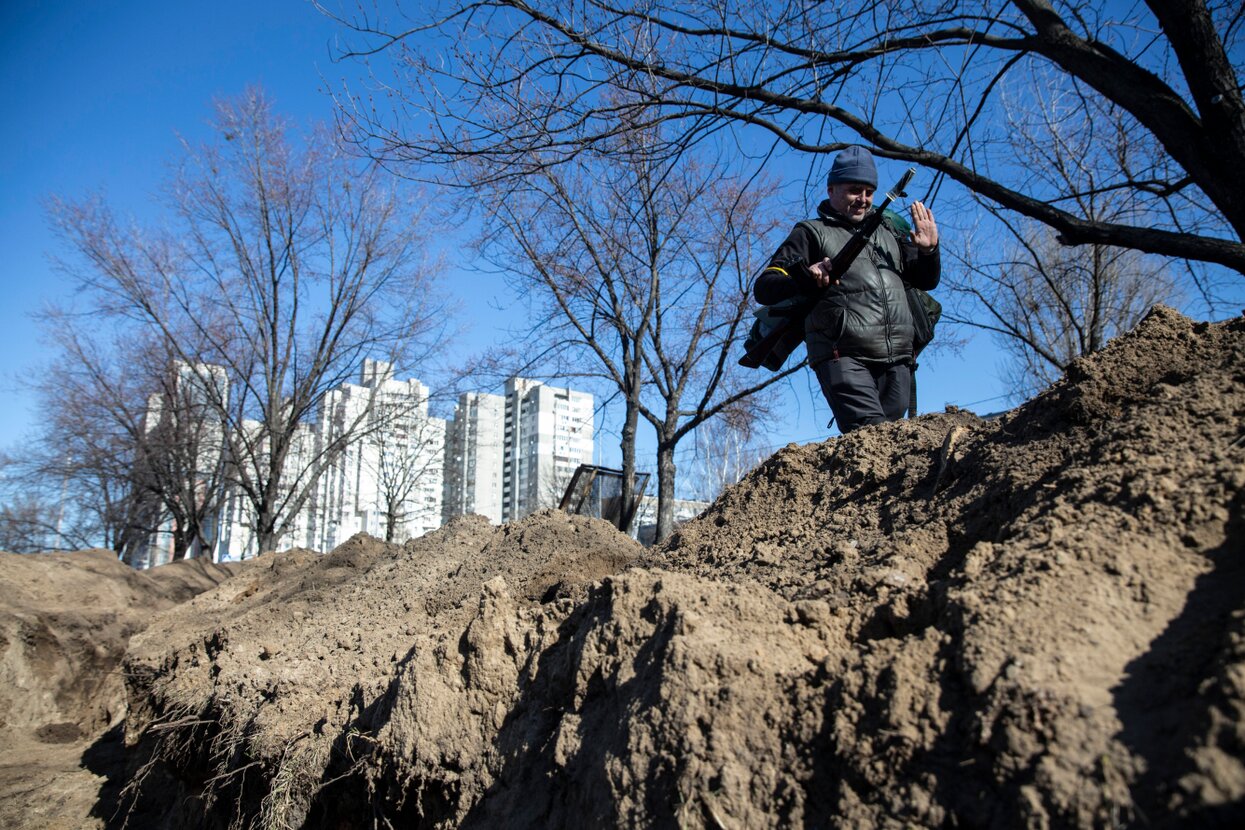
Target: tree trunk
[(205, 547), (391, 521), (665, 488), (628, 466), (631, 418), (182, 538), (266, 530)]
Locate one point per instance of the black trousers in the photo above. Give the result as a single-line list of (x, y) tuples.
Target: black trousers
[(860, 393)]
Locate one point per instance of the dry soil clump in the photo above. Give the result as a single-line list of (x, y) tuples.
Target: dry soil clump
[(65, 623), (266, 700)]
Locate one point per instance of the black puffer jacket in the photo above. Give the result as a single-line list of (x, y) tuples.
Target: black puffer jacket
[(866, 315)]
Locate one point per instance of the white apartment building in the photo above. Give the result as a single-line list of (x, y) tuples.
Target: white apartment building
[(391, 470), (237, 538), (548, 433), (474, 457), (502, 456)]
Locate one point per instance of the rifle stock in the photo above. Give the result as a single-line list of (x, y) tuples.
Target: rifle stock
[(756, 356)]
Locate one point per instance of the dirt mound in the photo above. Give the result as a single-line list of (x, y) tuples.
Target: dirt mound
[(1032, 621), (65, 622), (261, 691), (1044, 613)]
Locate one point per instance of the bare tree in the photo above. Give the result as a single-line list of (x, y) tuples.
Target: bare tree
[(285, 264), (182, 456), (1044, 302), (917, 80), (27, 524), (84, 456), (644, 270), (32, 514), (726, 450), (403, 458), (122, 447), (1047, 304)]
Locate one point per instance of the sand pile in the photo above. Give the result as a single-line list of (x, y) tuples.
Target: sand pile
[(253, 698), (1043, 616), (1034, 621), (65, 623)]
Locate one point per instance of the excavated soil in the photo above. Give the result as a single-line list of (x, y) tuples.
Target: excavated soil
[(65, 622), (1031, 621)]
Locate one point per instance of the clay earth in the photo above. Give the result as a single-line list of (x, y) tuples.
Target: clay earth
[(1035, 620)]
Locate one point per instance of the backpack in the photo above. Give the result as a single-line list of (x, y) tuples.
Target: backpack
[(768, 318), (926, 311)]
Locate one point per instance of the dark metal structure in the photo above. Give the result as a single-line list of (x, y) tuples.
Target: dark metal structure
[(597, 491)]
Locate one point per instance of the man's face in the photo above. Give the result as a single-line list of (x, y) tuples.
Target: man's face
[(852, 199)]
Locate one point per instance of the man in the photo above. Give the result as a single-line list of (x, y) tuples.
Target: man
[(859, 336)]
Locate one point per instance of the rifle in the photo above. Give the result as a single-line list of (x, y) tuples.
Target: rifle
[(789, 330)]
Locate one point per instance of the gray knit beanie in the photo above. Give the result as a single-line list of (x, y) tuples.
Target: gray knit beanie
[(853, 164)]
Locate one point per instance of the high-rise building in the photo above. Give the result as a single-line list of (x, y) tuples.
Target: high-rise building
[(390, 473), (238, 537), (380, 461), (474, 461), (378, 457), (548, 434)]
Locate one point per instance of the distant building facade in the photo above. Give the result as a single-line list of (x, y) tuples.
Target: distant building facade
[(391, 473), (548, 433), (474, 457), (645, 528), (182, 422), (381, 459)]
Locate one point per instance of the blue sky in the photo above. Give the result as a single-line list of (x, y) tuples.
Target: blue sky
[(99, 91), (96, 93)]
